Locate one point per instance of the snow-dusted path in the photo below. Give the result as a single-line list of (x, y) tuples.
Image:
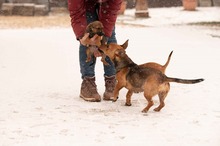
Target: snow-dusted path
[(40, 82)]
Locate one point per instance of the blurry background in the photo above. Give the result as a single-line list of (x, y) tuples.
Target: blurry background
[(43, 7)]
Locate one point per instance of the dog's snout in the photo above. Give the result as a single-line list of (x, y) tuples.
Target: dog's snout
[(100, 33)]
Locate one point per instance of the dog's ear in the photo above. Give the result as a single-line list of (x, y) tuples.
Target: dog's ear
[(90, 29), (125, 45)]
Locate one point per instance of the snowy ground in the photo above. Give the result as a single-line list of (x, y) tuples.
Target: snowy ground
[(40, 82)]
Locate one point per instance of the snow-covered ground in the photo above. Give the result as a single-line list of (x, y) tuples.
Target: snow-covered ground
[(40, 83), (174, 16)]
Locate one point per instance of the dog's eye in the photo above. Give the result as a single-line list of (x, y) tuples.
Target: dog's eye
[(120, 53)]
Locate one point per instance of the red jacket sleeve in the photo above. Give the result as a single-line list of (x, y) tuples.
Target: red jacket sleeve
[(77, 11), (107, 14)]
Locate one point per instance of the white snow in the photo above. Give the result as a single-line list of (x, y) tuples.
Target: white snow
[(174, 16), (40, 83)]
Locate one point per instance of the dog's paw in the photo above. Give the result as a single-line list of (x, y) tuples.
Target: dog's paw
[(144, 111), (114, 99), (128, 104), (105, 63), (88, 59), (157, 109)]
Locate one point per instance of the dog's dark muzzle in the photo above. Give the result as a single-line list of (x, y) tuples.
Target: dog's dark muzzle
[(100, 33), (91, 34)]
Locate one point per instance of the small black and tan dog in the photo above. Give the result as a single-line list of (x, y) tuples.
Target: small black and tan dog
[(94, 28), (139, 78)]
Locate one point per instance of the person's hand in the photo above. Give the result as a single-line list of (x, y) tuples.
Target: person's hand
[(86, 41)]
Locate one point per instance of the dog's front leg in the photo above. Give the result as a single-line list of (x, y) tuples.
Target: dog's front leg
[(118, 87), (103, 59), (128, 98)]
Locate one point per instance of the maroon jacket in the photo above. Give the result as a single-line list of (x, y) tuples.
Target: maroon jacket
[(107, 14)]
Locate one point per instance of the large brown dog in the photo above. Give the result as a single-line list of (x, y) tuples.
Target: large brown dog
[(94, 28), (154, 65), (137, 79)]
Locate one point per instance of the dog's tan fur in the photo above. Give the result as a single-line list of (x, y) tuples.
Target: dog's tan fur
[(157, 66), (140, 78), (93, 28)]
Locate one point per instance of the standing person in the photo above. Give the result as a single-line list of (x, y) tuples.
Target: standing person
[(83, 12)]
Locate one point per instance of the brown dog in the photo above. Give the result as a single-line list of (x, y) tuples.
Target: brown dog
[(94, 28), (154, 65), (137, 79)]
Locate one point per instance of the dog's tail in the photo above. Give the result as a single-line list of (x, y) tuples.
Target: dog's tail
[(184, 81), (168, 60)]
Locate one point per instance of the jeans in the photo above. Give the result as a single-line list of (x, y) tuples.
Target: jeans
[(87, 69)]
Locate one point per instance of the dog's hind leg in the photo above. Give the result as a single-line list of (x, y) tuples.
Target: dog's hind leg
[(162, 95), (128, 98), (89, 55), (150, 90), (150, 103)]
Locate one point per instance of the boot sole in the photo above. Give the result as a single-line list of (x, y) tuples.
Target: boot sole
[(90, 99), (106, 98)]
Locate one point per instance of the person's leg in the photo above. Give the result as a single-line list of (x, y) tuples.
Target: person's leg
[(110, 69), (112, 39), (110, 72), (87, 68), (88, 87)]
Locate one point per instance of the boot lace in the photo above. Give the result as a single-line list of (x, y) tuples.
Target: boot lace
[(91, 86), (110, 85)]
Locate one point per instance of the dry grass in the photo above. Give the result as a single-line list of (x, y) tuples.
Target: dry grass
[(59, 17), (34, 22), (56, 18), (209, 24)]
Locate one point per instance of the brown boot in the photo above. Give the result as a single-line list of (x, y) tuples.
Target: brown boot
[(110, 83), (89, 91)]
